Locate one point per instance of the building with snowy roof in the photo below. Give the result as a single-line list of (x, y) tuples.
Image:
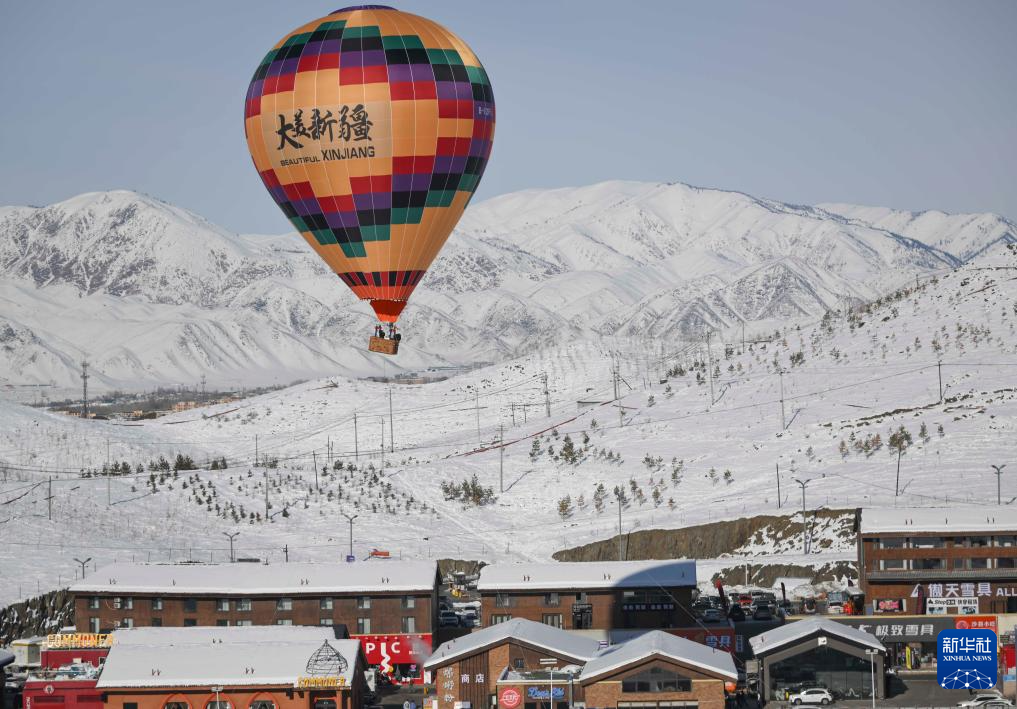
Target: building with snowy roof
[(819, 652), (225, 667), (939, 560), (598, 595)]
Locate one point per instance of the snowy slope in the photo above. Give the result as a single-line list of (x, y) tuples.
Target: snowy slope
[(152, 294), (861, 372)]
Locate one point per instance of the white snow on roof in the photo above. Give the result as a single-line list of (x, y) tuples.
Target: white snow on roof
[(179, 657), (254, 579), (554, 640), (588, 574), (657, 642), (938, 519), (795, 631)]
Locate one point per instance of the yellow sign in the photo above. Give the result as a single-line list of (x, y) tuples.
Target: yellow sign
[(320, 682), (75, 641)]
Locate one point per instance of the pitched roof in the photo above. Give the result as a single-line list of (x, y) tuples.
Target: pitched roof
[(588, 575), (793, 632), (554, 640), (254, 579), (659, 643), (936, 519), (207, 656)]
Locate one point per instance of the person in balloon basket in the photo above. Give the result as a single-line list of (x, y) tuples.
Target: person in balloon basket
[(393, 332), (379, 331)]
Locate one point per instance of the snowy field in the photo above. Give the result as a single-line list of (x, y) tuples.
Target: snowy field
[(680, 457)]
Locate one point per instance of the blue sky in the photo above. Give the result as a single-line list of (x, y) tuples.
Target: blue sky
[(904, 104)]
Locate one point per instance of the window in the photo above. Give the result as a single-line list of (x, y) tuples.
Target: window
[(221, 704), (409, 602), (244, 623), (175, 705), (1005, 541), (551, 599), (93, 603), (284, 604), (552, 619), (190, 605), (222, 623), (363, 602), (93, 625), (519, 663), (1006, 562), (363, 625), (325, 604), (127, 623), (409, 624), (262, 704), (190, 622), (927, 543), (126, 603), (581, 596), (156, 622), (157, 604), (504, 618), (284, 621), (324, 621), (324, 704), (502, 600), (130, 705), (243, 604), (978, 542), (656, 679), (980, 563), (222, 605), (893, 564), (920, 564), (893, 543)]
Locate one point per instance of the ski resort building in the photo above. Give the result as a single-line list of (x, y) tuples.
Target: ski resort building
[(391, 606), (522, 664), (938, 561), (225, 667), (596, 595)]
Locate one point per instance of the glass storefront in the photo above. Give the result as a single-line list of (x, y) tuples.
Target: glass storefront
[(846, 676)]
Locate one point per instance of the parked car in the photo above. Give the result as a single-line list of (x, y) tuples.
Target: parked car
[(745, 600), (737, 614), (711, 615), (469, 619), (816, 695), (835, 608), (988, 698), (762, 613), (448, 619)]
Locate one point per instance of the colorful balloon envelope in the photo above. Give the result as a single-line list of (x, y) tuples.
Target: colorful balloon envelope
[(371, 128)]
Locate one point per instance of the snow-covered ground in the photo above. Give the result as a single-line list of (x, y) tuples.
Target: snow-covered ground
[(858, 375)]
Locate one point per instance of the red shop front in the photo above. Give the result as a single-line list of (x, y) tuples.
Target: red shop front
[(399, 656), (61, 694)]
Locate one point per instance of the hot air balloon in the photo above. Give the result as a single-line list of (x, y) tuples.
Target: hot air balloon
[(371, 129)]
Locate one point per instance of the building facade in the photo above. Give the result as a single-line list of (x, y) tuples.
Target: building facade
[(590, 595), (938, 561)]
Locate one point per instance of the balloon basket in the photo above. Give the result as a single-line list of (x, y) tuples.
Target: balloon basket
[(383, 345)]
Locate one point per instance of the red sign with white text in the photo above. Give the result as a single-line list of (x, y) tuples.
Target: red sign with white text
[(386, 651), (976, 622), (509, 698)]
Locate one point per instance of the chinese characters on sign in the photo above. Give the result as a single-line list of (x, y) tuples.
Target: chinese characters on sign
[(350, 124)]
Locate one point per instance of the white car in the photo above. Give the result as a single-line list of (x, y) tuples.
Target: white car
[(990, 698), (815, 695)]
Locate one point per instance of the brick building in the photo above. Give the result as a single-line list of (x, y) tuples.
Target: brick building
[(521, 664), (596, 595), (226, 667), (391, 605), (938, 560)]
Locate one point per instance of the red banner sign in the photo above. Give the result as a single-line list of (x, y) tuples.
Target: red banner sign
[(384, 651), (976, 622)]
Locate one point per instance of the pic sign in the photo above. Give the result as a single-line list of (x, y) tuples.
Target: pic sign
[(966, 659)]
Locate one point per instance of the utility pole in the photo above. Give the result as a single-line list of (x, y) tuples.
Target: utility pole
[(999, 478), (547, 395), (621, 554), (896, 485), (939, 366), (783, 422), (83, 565), (356, 444), (314, 456), (778, 486), (614, 377), (286, 552), (382, 420), (49, 498), (476, 399), (84, 388), (513, 407), (805, 534), (202, 387), (709, 364), (501, 458), (266, 495), (391, 431), (231, 536), (351, 528)]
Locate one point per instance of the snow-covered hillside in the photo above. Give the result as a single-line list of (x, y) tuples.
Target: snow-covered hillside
[(152, 294), (842, 386)]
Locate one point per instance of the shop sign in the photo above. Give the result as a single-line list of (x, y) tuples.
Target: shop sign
[(976, 622), (74, 641), (320, 682), (902, 631), (964, 590), (943, 606), (538, 693), (384, 651), (647, 606), (509, 698), (888, 605)]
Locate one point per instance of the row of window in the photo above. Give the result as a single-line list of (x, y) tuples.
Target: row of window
[(1007, 562), (222, 605), (973, 542), (409, 623), (555, 620), (552, 598), (221, 704)]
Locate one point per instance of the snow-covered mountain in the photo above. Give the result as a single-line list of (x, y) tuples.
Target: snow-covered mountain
[(151, 293)]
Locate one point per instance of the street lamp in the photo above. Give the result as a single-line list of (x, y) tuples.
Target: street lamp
[(231, 537), (805, 538), (872, 664), (351, 529), (999, 477), (549, 662), (83, 565)]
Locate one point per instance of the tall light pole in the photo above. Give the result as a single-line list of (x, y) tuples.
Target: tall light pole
[(83, 565), (351, 529), (872, 665), (805, 536), (620, 555), (231, 537), (999, 477)]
